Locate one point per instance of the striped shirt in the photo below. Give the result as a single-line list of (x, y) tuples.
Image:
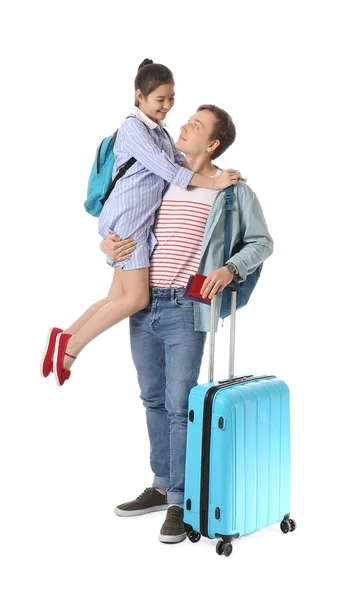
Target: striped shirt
[(130, 209), (179, 231)]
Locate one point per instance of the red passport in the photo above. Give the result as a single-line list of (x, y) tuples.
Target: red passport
[(193, 288)]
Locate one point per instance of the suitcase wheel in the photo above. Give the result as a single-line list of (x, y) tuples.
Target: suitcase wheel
[(292, 525), (194, 536), (224, 548), (288, 525), (285, 526)]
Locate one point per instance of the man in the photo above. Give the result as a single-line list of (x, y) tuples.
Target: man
[(168, 336)]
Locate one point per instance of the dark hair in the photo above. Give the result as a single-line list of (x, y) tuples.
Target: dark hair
[(150, 76), (224, 130)]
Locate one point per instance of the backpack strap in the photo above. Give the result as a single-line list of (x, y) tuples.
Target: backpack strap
[(227, 232), (122, 171)]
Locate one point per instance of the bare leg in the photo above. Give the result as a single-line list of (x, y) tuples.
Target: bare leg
[(81, 321), (115, 289), (129, 293)]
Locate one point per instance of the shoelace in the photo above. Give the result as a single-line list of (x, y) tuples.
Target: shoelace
[(174, 514), (146, 492)]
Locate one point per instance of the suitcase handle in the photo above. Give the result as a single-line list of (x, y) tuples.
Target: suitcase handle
[(233, 287)]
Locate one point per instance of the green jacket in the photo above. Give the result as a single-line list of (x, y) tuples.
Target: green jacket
[(247, 224)]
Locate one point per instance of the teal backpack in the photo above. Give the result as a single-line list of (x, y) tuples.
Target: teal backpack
[(100, 184), (100, 176)]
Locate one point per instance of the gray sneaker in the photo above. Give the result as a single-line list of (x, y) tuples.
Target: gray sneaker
[(149, 501), (173, 531)]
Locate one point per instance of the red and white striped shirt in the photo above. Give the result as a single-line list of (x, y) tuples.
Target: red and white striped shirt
[(179, 231)]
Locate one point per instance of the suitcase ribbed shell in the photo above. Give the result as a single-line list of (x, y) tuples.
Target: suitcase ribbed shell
[(249, 472)]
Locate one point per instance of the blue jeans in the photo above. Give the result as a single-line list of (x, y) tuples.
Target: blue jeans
[(167, 354)]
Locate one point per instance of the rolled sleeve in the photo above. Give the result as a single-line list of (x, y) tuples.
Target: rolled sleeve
[(138, 142), (183, 177), (242, 269)]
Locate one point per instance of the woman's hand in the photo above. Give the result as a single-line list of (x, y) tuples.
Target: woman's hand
[(227, 178), (116, 248), (215, 282)]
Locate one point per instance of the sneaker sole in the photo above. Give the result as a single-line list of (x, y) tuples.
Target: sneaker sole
[(45, 352), (55, 358), (172, 539), (135, 513)]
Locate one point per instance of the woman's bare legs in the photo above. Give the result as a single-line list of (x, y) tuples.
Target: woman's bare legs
[(115, 289), (128, 294), (81, 321)]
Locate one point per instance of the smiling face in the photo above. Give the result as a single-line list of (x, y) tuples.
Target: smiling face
[(157, 104), (196, 135)]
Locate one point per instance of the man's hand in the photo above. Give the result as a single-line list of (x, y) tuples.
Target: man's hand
[(116, 248), (227, 178), (215, 282)]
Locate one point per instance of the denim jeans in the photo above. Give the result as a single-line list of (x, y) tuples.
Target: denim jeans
[(167, 354)]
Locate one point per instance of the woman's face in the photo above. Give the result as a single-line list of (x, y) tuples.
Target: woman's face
[(157, 104)]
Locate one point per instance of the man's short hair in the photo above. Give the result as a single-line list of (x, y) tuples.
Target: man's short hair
[(224, 130)]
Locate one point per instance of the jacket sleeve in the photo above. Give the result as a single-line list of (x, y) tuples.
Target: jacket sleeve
[(138, 142), (257, 243)]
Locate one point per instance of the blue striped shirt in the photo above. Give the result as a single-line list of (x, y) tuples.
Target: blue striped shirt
[(130, 209)]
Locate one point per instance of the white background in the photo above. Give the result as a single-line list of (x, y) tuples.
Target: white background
[(69, 455)]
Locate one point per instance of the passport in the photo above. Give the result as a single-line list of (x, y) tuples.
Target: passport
[(193, 288)]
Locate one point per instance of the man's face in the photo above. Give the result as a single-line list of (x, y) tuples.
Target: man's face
[(196, 135)]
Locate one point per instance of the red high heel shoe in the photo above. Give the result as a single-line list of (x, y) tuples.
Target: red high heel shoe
[(47, 360), (61, 374)]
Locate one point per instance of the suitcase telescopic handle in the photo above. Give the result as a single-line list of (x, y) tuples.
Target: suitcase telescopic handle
[(233, 287)]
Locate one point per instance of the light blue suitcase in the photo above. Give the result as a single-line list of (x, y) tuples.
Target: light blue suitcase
[(238, 454)]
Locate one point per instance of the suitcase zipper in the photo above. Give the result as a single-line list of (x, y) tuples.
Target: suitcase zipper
[(206, 439)]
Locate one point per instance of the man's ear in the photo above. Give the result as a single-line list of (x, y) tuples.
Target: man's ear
[(213, 146)]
